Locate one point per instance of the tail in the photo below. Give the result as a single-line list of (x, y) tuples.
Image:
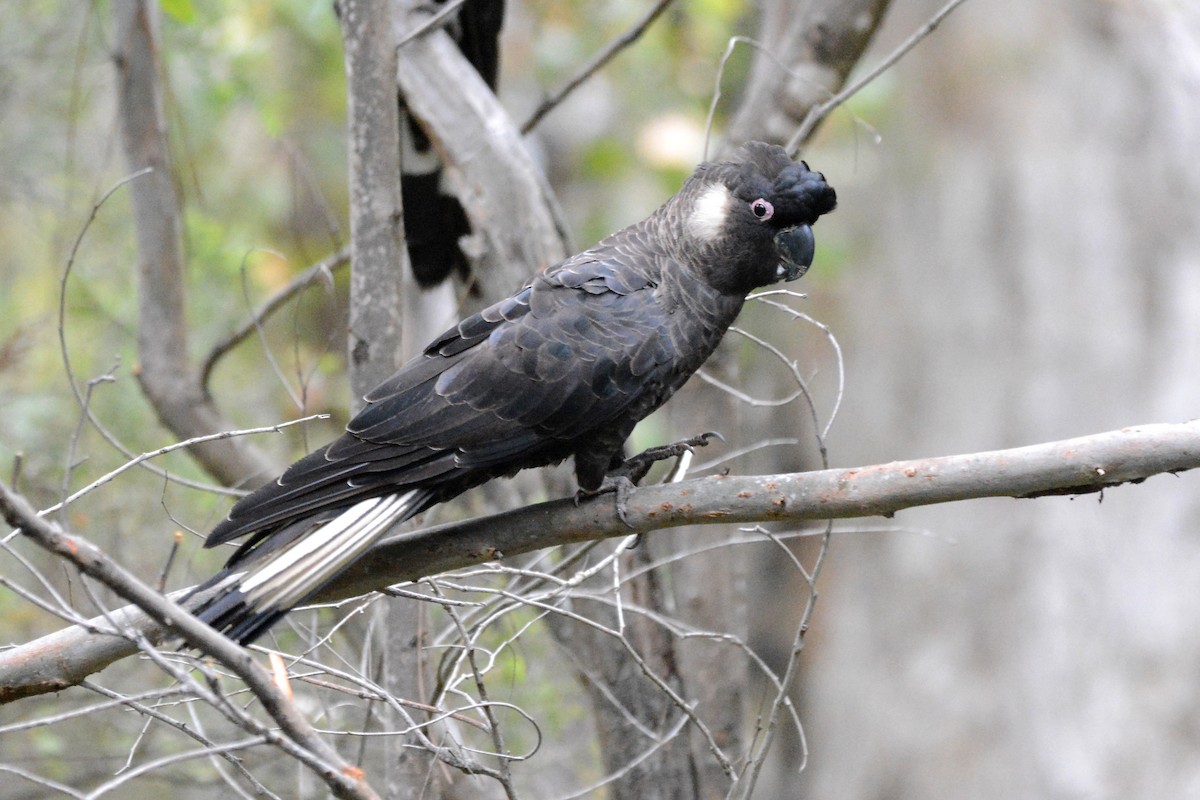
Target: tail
[(251, 594)]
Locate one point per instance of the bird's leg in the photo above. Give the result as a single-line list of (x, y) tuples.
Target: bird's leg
[(635, 467), (627, 473)]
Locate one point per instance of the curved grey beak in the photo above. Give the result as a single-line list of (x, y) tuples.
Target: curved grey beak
[(796, 248)]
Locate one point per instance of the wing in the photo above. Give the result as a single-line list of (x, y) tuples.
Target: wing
[(522, 383)]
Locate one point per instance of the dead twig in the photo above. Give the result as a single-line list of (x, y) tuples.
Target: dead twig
[(595, 65)]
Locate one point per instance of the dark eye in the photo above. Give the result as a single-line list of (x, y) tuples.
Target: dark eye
[(762, 209)]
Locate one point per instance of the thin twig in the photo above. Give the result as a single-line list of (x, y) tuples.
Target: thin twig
[(322, 269), (76, 435), (744, 785), (819, 112), (662, 685), (730, 46), (436, 21), (415, 728), (65, 610), (839, 359), (659, 742), (115, 700), (41, 781), (137, 703), (158, 763), (502, 756), (140, 459), (176, 540), (64, 350), (753, 767), (723, 64), (595, 65), (93, 562), (676, 628), (65, 613), (364, 694), (260, 330)]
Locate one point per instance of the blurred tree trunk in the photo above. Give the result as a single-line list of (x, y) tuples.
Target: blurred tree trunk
[(1034, 273), (382, 306), (819, 41), (820, 45), (165, 372)]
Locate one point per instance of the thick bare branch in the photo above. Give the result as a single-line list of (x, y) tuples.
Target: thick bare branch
[(379, 258), (1072, 466), (167, 378), (385, 308)]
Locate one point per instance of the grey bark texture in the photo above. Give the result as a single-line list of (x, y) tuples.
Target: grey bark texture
[(383, 301)]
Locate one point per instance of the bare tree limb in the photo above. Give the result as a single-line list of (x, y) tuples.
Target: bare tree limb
[(376, 216), (171, 385), (65, 351), (343, 780), (144, 457), (1072, 466), (385, 306)]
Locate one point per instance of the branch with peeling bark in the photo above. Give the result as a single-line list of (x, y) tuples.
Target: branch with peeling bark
[(1073, 466)]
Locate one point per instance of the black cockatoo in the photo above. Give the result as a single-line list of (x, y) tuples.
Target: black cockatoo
[(565, 367), (434, 219)]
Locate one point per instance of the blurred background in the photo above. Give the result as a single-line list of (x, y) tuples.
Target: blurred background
[(1015, 259)]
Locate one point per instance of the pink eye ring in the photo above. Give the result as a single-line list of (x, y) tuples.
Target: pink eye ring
[(762, 209)]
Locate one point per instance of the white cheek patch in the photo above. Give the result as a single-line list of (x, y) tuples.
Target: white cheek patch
[(707, 220)]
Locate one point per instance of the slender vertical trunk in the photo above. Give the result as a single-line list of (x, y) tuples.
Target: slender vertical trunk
[(380, 295)]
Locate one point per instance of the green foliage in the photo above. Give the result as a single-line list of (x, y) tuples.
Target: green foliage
[(180, 10)]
